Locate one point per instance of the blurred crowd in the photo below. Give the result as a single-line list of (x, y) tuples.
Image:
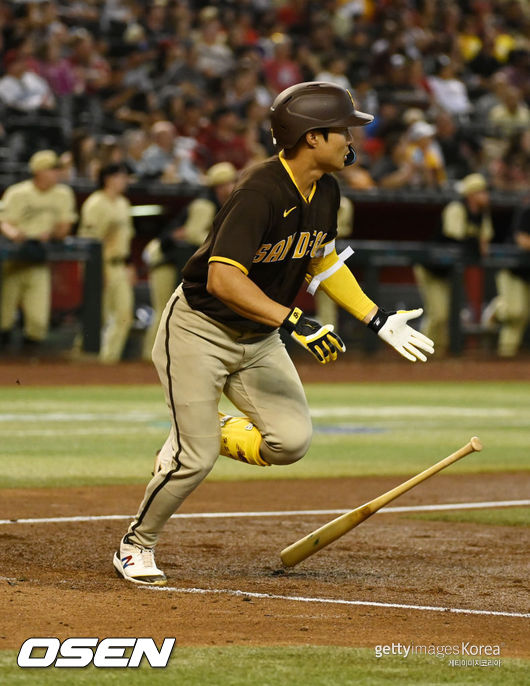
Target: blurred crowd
[(171, 87)]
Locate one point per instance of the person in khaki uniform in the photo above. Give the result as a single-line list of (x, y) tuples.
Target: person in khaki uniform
[(34, 212), (511, 308), (219, 330), (467, 222), (106, 217), (193, 227)]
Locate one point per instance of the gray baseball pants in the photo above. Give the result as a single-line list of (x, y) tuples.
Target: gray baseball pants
[(198, 359)]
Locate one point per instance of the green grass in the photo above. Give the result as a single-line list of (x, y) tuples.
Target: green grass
[(72, 436), (242, 666), (513, 516)]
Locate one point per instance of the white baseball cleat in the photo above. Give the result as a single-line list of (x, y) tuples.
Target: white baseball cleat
[(137, 564)]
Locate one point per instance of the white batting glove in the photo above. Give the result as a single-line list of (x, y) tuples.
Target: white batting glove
[(392, 327)]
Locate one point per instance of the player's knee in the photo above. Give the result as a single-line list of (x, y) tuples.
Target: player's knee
[(290, 446)]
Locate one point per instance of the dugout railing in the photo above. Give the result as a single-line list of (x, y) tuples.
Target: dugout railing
[(372, 256), (72, 249), (368, 259)]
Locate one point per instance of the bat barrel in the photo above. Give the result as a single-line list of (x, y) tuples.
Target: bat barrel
[(326, 534)]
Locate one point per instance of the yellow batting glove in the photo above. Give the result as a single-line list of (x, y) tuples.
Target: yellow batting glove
[(319, 339)]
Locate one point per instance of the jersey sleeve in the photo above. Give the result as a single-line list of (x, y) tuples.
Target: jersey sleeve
[(242, 225), (12, 206), (454, 221), (199, 221), (94, 222), (341, 285), (486, 229)]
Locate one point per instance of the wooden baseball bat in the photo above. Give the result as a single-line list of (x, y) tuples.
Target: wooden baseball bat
[(328, 533)]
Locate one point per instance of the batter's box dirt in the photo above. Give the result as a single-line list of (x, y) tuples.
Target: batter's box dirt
[(59, 581)]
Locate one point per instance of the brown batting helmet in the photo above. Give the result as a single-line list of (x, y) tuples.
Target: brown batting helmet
[(312, 105)]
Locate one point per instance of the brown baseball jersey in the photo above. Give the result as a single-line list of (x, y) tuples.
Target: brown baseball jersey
[(268, 230)]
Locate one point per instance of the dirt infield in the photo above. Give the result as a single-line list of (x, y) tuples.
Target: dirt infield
[(57, 577), (58, 580)]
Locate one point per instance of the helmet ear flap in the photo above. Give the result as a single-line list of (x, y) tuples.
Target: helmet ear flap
[(350, 157)]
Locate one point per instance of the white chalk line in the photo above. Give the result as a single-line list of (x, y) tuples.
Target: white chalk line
[(333, 411), (280, 513), (335, 601)]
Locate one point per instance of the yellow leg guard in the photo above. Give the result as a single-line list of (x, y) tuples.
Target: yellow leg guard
[(240, 440)]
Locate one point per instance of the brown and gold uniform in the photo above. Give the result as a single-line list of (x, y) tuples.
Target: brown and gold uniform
[(27, 284), (276, 236), (109, 220)]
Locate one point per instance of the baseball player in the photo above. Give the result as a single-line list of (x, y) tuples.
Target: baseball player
[(34, 212), (466, 222), (193, 227), (511, 308), (219, 331), (106, 217)]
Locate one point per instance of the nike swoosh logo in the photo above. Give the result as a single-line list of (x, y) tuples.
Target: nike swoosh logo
[(286, 212)]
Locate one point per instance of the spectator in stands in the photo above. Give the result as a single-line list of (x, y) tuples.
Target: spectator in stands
[(469, 42), (394, 169), (214, 57), (308, 63), (484, 65), (31, 117), (281, 71), (34, 213), (163, 160), (511, 173), (156, 23), (106, 217), (222, 141), (23, 90), (425, 156), (55, 69), (494, 95), (84, 147), (460, 151), (512, 114), (450, 92), (134, 143), (257, 118), (357, 176), (190, 229), (108, 151), (334, 71), (465, 222), (403, 84), (179, 70), (92, 70), (511, 308), (518, 68), (245, 88)]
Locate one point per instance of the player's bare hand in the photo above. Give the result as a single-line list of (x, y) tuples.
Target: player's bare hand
[(392, 327), (320, 340)]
